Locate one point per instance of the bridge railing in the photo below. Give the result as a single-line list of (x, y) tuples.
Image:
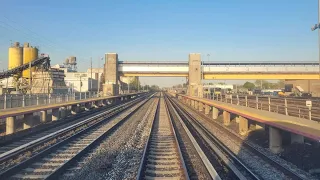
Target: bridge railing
[(302, 108)]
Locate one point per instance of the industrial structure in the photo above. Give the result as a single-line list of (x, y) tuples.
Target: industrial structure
[(29, 73)]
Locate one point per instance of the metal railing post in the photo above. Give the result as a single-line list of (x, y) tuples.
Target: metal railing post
[(238, 101), (67, 97), (231, 99), (23, 101), (85, 95), (286, 106), (257, 102), (49, 99), (10, 101), (310, 115), (5, 101), (246, 98), (37, 100)]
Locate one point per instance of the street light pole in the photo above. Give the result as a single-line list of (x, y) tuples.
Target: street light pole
[(209, 60)]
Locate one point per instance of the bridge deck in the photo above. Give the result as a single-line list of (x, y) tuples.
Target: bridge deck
[(30, 109), (304, 127)]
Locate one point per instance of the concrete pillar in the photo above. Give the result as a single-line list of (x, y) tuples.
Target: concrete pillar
[(95, 104), (296, 138), (55, 114), (207, 109), (226, 118), (10, 125), (104, 102), (75, 109), (111, 86), (49, 116), (43, 116), (243, 125), (87, 106), (215, 113), (200, 106), (194, 76), (28, 121), (63, 112), (275, 140)]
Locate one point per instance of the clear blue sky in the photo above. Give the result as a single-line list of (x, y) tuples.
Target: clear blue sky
[(233, 30)]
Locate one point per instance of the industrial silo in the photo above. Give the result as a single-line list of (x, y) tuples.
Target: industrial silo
[(29, 54), (15, 56)]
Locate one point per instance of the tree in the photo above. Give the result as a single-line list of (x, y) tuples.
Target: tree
[(135, 84), (281, 84), (249, 85)]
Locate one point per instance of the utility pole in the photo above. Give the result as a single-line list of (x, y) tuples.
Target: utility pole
[(128, 86), (91, 75), (317, 26), (209, 60), (30, 77), (99, 76)]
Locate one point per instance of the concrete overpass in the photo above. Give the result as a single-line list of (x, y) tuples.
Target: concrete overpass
[(225, 71), (195, 70)]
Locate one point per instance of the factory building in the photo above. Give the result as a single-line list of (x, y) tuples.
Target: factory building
[(78, 81)]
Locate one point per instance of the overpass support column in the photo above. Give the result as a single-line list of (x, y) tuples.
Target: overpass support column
[(243, 125), (111, 86), (195, 85), (296, 138), (43, 116), (275, 140), (28, 121), (55, 114), (10, 125), (200, 106), (207, 109), (215, 113), (226, 118)]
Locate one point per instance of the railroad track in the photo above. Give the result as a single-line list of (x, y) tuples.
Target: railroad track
[(200, 128), (162, 157), (240, 170), (49, 128), (70, 144)]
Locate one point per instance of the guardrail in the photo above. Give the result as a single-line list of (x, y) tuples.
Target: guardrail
[(302, 108), (19, 100)]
